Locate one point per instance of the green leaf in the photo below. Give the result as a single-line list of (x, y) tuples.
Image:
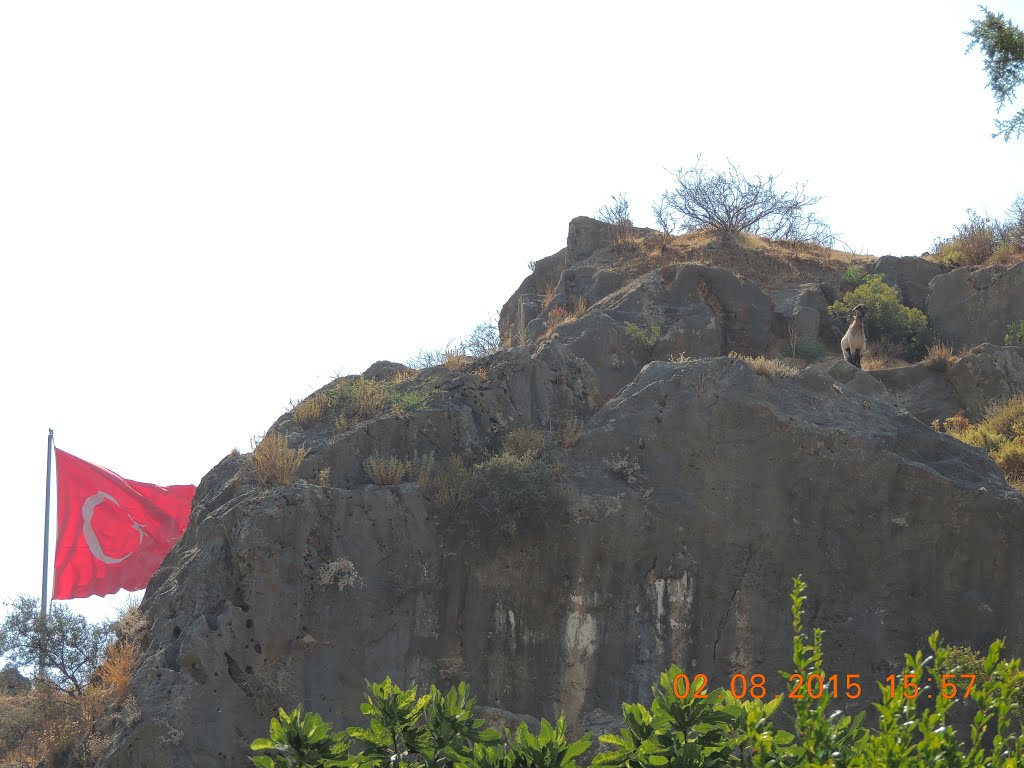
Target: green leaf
[(261, 744), (261, 761)]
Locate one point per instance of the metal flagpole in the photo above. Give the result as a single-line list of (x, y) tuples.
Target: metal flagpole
[(46, 543)]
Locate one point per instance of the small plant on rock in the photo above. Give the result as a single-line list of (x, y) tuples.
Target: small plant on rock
[(1014, 334), (645, 337), (274, 462)]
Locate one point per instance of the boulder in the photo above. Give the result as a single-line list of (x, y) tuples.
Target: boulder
[(910, 274), (924, 391), (989, 375), (805, 305), (974, 305)]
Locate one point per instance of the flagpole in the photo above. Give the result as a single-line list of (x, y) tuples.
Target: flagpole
[(46, 527)]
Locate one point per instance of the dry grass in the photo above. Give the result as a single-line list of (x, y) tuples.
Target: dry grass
[(1000, 435), (323, 477), (274, 462), (311, 410), (568, 429), (456, 359), (561, 314), (116, 670), (940, 357), (445, 486), (762, 366), (882, 355), (405, 374), (391, 470), (525, 443), (369, 397), (549, 296), (772, 264)]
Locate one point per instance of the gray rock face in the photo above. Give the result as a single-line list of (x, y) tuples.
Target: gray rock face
[(988, 375), (697, 311), (911, 275), (973, 305), (805, 305), (699, 489), (699, 492)]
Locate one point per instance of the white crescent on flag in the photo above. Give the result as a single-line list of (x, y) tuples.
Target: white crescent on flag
[(88, 510)]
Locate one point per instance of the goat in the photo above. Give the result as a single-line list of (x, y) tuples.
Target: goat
[(854, 343)]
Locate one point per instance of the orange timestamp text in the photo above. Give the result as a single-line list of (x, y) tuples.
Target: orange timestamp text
[(814, 686)]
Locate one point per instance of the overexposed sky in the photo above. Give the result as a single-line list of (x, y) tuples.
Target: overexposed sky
[(209, 209)]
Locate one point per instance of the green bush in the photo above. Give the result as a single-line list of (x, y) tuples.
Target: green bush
[(1014, 334), (810, 350), (851, 277), (645, 337), (507, 489), (905, 328), (299, 740)]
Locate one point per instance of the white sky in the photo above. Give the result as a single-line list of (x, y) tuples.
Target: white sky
[(207, 209)]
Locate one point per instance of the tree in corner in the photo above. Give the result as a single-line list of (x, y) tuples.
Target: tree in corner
[(1002, 44)]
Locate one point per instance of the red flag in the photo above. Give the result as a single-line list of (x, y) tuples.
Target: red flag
[(112, 533)]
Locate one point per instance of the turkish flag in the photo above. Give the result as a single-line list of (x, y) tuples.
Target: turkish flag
[(112, 533)]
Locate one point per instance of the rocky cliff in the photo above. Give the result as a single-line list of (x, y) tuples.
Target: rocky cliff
[(695, 489)]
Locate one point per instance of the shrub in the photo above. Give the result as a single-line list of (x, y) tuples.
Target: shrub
[(729, 202), (762, 366), (447, 483), (973, 244), (524, 443), (810, 350), (301, 739), (983, 240), (851, 277), (1000, 435), (508, 489), (645, 337), (274, 462), (906, 328), (568, 429), (1014, 334)]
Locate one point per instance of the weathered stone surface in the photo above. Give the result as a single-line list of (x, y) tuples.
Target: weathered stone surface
[(700, 491), (699, 311), (804, 305), (857, 380), (925, 392), (974, 305), (586, 236), (988, 375), (911, 275), (526, 302)]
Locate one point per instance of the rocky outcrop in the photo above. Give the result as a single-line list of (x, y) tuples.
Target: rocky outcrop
[(911, 275), (974, 305), (688, 309), (700, 490), (697, 489), (989, 375)]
